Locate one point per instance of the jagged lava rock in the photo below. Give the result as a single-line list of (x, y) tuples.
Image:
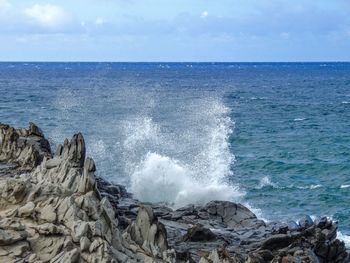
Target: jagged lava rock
[(56, 213), (54, 209), (23, 147)]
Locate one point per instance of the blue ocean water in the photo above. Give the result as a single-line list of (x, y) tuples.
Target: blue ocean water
[(274, 136)]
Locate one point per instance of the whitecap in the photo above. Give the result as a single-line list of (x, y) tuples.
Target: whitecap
[(311, 187), (345, 102), (315, 186), (299, 119), (266, 181), (343, 186)]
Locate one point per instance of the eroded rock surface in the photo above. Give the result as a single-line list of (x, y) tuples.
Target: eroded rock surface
[(56, 213), (23, 148), (54, 209)]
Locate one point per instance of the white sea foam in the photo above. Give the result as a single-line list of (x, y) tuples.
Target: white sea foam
[(160, 178), (343, 186), (311, 187), (266, 181), (257, 211), (345, 238), (315, 186), (299, 119), (176, 169)]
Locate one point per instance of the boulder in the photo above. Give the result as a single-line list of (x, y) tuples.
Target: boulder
[(305, 222)]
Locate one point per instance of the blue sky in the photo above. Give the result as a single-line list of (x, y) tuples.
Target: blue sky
[(177, 30)]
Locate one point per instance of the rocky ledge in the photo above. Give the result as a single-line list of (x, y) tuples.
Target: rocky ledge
[(54, 209)]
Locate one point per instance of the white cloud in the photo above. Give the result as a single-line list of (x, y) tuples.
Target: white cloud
[(4, 5), (204, 14), (48, 15), (99, 21)]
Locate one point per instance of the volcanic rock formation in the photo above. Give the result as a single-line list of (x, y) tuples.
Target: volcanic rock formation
[(54, 209)]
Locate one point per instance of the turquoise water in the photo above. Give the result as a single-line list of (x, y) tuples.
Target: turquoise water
[(274, 136)]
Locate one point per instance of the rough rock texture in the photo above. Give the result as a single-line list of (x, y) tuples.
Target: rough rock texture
[(25, 148), (54, 209), (56, 213)]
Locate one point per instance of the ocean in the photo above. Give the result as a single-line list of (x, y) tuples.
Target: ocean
[(273, 136)]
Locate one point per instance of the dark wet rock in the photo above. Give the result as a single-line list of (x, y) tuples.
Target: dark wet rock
[(198, 233), (281, 229), (292, 225), (277, 241), (233, 215), (305, 222), (184, 211), (266, 254), (321, 222)]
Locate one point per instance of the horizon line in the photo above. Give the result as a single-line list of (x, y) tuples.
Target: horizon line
[(198, 62)]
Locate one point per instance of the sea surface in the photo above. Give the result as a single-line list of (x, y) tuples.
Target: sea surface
[(273, 136)]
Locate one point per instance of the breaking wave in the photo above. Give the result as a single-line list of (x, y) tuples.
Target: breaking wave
[(182, 165)]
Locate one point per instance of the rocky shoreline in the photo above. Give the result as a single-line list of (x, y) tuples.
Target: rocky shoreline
[(54, 209)]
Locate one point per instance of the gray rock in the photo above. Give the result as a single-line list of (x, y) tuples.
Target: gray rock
[(305, 221), (277, 242), (321, 222), (26, 210), (25, 147), (293, 226)]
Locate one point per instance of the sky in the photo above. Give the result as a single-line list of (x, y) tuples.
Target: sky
[(175, 30)]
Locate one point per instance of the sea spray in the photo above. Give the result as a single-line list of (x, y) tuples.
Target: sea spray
[(162, 179), (185, 167)]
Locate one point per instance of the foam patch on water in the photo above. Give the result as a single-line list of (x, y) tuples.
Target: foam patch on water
[(344, 186), (266, 181)]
